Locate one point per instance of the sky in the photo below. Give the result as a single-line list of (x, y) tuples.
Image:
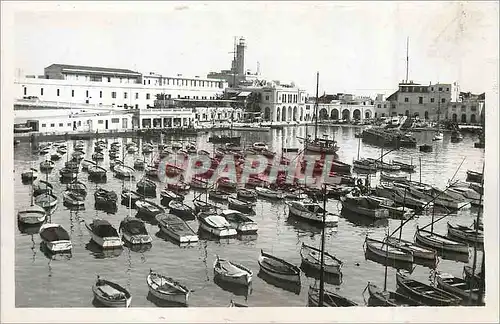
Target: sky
[(357, 48)]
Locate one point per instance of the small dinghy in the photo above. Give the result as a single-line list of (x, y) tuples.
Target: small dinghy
[(32, 215), (46, 200), (278, 268), (72, 165), (77, 187), (146, 187), (97, 156), (241, 223), (216, 194), (167, 289), (167, 196), (226, 183), (124, 172), (55, 238), (30, 175), (42, 187), (105, 197), (440, 242), (311, 257), (104, 234), (62, 150), (55, 156), (473, 176), (424, 293), (129, 197), (176, 228), (231, 272), (311, 212), (202, 206), (68, 174), (47, 165), (73, 199), (458, 287), (148, 208), (405, 166), (259, 146), (240, 205), (465, 233), (418, 252), (246, 194), (96, 172), (179, 187), (139, 164), (269, 193), (111, 294), (330, 299), (86, 164), (387, 251), (180, 209), (387, 298), (392, 177), (215, 224), (134, 231)]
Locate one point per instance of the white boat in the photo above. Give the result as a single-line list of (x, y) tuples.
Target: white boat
[(241, 223), (111, 294), (465, 233), (278, 268), (259, 146), (134, 231), (215, 224), (104, 234), (269, 193), (231, 272), (311, 211), (167, 289), (419, 252), (439, 242), (311, 256), (55, 238), (392, 177), (176, 228), (438, 136), (387, 251), (32, 215)]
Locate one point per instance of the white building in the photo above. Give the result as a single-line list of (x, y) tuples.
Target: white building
[(467, 110)]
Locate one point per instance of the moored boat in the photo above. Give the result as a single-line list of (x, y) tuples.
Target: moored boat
[(111, 294), (392, 177), (311, 257), (379, 297), (55, 238), (216, 225), (404, 166), (73, 199), (418, 252), (30, 175), (231, 272), (217, 194), (78, 187), (176, 228), (246, 194), (96, 172), (42, 187), (46, 200), (148, 208), (124, 172), (473, 176), (459, 287), (269, 193), (129, 197), (167, 289), (146, 187), (312, 212), (465, 233), (439, 242), (32, 215), (47, 165), (168, 195), (104, 234), (388, 251), (278, 268), (330, 299), (241, 223), (202, 206), (240, 205), (180, 209), (134, 231), (363, 206)]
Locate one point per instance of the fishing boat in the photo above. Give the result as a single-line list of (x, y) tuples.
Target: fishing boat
[(97, 156), (312, 212), (383, 165), (269, 193), (86, 164), (199, 183), (42, 187), (424, 293), (364, 165), (96, 172), (111, 294), (465, 233), (241, 223), (47, 165), (180, 209), (129, 197), (404, 166), (387, 251), (176, 228), (77, 187), (55, 156), (468, 193), (226, 183), (32, 215), (473, 176), (215, 224), (459, 287), (278, 268), (392, 177), (55, 238), (30, 175), (363, 206), (330, 299), (425, 148), (439, 242), (240, 205), (340, 167), (77, 155), (179, 187), (73, 199), (68, 174), (231, 272), (105, 197), (46, 200), (167, 289), (217, 194), (148, 208), (79, 146), (134, 231), (167, 196), (418, 252), (202, 206), (259, 146), (146, 187), (104, 234), (124, 172), (379, 297), (311, 257), (139, 164), (438, 136), (456, 136)]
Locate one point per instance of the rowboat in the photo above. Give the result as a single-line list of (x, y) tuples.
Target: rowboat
[(55, 238), (235, 304), (111, 294), (259, 146), (241, 205), (78, 187), (419, 252), (180, 209), (148, 208), (379, 297), (30, 175), (362, 206), (104, 234), (215, 224), (278, 268), (96, 172), (146, 149), (392, 177), (404, 166), (55, 156), (226, 183), (176, 228), (72, 165), (425, 148), (46, 200), (167, 289), (46, 165), (199, 183), (465, 233), (86, 164), (105, 197), (42, 187), (311, 257), (383, 165), (97, 156), (312, 212), (269, 193), (216, 194), (134, 231), (32, 215), (387, 251), (146, 187), (132, 149), (424, 293), (231, 272), (74, 199), (124, 172), (129, 197), (241, 223), (470, 194), (458, 287), (330, 299), (179, 187), (439, 242), (364, 165), (68, 174), (473, 176), (438, 136), (202, 206), (167, 196)]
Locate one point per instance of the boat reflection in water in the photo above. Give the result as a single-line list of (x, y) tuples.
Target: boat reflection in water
[(204, 235), (303, 228), (59, 256), (396, 264), (29, 229), (247, 237), (161, 235), (363, 221), (448, 255), (100, 253), (162, 303), (139, 248), (238, 290), (285, 285), (329, 278)]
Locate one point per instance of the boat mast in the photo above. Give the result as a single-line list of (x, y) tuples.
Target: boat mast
[(411, 164), (420, 168), (402, 216), (359, 145), (475, 245), (386, 258), (321, 274), (316, 108)]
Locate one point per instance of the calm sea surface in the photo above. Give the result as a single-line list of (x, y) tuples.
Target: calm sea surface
[(42, 281)]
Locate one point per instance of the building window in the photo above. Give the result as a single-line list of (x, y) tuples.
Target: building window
[(115, 120), (69, 124), (393, 106), (124, 95), (149, 81), (406, 99), (109, 79), (147, 96), (72, 93), (432, 100), (41, 91), (100, 121), (52, 125), (454, 106), (58, 92), (379, 106), (472, 108), (61, 124), (440, 89), (447, 89), (113, 95), (136, 95), (87, 93), (267, 98), (100, 94), (25, 90), (443, 100), (420, 100), (463, 108), (44, 125), (385, 105)]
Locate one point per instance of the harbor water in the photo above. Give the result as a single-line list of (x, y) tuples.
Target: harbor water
[(66, 281)]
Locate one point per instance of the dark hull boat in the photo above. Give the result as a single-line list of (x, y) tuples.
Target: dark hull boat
[(73, 199), (459, 287), (105, 198), (32, 215), (379, 297), (42, 187), (465, 233), (279, 268), (202, 206), (129, 197), (146, 187), (440, 243), (311, 257), (330, 299), (240, 205), (246, 194), (104, 234), (473, 176), (218, 195), (111, 294), (97, 172), (134, 231), (181, 210), (148, 208), (167, 196), (77, 187)]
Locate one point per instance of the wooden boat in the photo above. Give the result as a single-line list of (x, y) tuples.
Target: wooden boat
[(176, 146), (146, 187), (404, 166), (30, 175), (146, 149), (179, 187), (46, 200), (235, 304), (330, 299), (387, 251), (176, 228), (456, 136), (62, 150), (148, 208), (392, 177), (246, 194), (139, 164), (129, 197), (77, 187), (86, 164), (111, 294), (241, 205), (438, 136), (467, 276), (47, 165), (42, 187), (424, 293), (104, 234), (226, 183), (241, 223), (295, 195), (383, 165), (425, 148), (105, 197), (379, 297), (340, 167), (180, 209), (269, 193), (124, 172), (362, 206), (55, 156), (473, 176), (55, 238), (32, 215), (465, 233), (320, 145), (97, 156), (216, 194), (96, 172), (231, 272), (68, 174), (439, 242), (311, 212), (167, 196), (152, 171), (459, 287), (215, 224), (72, 165), (199, 183), (134, 231), (167, 289), (278, 268), (418, 252), (202, 206), (113, 155), (259, 146), (77, 155), (74, 199), (79, 146), (364, 165), (311, 257), (468, 193), (132, 149)]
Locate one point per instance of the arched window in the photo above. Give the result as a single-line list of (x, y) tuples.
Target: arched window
[(454, 118), (473, 119), (407, 113), (464, 118), (426, 115)]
